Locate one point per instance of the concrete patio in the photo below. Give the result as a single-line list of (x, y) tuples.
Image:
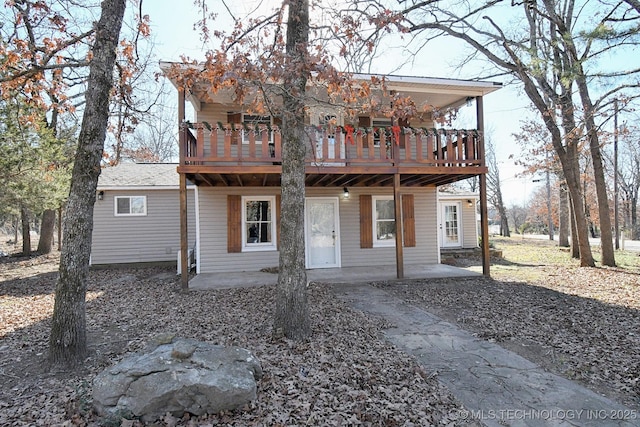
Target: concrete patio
[(227, 280)]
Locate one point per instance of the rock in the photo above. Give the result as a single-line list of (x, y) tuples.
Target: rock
[(164, 338), (177, 377)]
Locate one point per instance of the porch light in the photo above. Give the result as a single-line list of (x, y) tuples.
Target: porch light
[(345, 193), (101, 195), (470, 203)]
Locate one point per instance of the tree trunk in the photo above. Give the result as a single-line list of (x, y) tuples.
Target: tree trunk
[(46, 231), (581, 231), (502, 211), (575, 249), (571, 171), (16, 225), (292, 312), (566, 148), (563, 220), (26, 232), (60, 228), (635, 232), (68, 340), (606, 234)]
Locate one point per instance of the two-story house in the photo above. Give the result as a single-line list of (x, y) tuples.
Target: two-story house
[(371, 183)]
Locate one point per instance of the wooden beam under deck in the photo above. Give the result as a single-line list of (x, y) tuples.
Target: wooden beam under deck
[(334, 170), (324, 180)]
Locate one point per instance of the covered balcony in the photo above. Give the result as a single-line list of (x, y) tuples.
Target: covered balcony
[(240, 155)]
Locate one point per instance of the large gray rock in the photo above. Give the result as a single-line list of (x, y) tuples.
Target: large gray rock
[(178, 377)]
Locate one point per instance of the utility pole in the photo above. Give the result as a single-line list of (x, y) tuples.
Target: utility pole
[(615, 174), (549, 216)]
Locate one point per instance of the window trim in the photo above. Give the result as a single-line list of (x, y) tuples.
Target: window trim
[(374, 223), (115, 206), (257, 247)]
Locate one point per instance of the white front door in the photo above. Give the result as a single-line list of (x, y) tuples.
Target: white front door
[(450, 226), (322, 232)]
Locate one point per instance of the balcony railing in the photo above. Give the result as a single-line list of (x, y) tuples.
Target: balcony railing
[(235, 145)]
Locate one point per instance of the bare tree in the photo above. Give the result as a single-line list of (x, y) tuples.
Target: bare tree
[(292, 314), (543, 57), (494, 190), (629, 178), (156, 135), (137, 106), (270, 75), (518, 216)]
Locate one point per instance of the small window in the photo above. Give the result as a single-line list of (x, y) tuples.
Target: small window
[(130, 205), (258, 223), (254, 121), (326, 122), (384, 221), (380, 125)]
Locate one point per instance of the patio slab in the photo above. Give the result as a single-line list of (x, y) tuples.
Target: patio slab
[(228, 280)]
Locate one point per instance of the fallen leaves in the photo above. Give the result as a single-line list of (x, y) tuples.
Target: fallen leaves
[(345, 375), (578, 322), (582, 323)]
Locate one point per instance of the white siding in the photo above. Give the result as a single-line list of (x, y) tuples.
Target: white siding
[(154, 237), (213, 233), (213, 230), (469, 225), (426, 249)]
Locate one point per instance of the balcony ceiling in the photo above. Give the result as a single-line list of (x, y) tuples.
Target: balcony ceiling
[(428, 92), (211, 178)]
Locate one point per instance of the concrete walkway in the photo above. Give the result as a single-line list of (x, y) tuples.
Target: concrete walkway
[(496, 386)]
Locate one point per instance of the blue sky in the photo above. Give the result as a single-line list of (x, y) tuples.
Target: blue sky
[(174, 36)]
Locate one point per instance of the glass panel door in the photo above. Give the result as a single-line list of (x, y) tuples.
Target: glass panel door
[(451, 225), (322, 233)]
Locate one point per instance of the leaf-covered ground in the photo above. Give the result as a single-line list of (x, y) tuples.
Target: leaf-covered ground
[(579, 322), (346, 375)]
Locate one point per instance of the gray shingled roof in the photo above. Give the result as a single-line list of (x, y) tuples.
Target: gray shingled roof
[(140, 174)]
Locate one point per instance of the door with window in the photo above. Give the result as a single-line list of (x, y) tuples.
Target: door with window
[(450, 225), (322, 233)]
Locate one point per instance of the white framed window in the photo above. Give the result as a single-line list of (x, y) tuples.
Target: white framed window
[(384, 221), (130, 205), (258, 223), (253, 121), (327, 122), (380, 123)]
